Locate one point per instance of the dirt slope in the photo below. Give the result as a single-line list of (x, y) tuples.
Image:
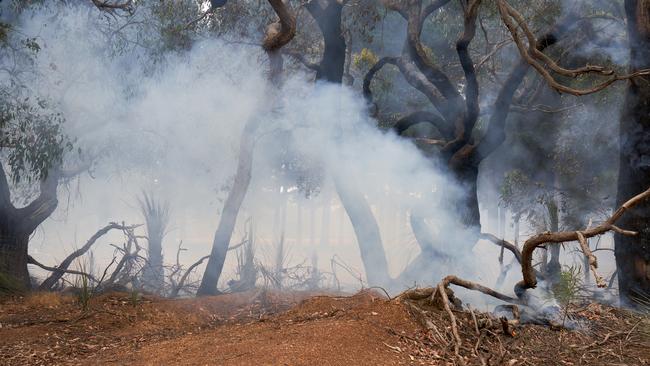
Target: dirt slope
[(262, 328)]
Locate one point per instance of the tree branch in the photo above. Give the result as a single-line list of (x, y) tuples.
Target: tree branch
[(414, 118), (508, 14), (181, 282), (42, 207), (529, 279), (282, 31), (495, 134), (503, 244), (31, 260), (467, 64), (105, 5), (277, 35), (60, 270)]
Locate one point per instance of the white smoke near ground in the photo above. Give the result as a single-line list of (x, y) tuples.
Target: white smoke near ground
[(174, 129)]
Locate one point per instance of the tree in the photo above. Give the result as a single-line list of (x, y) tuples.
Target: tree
[(633, 253), (462, 145), (33, 146), (278, 34), (330, 69)]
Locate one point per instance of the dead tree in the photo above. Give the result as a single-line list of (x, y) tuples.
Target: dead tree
[(277, 35)]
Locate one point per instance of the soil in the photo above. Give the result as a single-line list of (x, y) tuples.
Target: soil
[(299, 328)]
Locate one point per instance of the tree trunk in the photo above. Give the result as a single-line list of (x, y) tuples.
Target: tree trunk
[(366, 231), (468, 209), (633, 252), (13, 255), (331, 69), (277, 36), (17, 224), (328, 19), (230, 211)]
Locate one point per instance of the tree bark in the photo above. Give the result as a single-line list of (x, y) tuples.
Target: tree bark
[(633, 253), (17, 224), (328, 19), (13, 254)]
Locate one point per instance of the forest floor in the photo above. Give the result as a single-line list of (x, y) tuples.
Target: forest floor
[(268, 328)]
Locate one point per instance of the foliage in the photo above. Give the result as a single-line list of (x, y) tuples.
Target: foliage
[(567, 289), (364, 59), (84, 289), (32, 137)]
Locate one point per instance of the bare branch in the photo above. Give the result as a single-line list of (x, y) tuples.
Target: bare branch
[(503, 244), (31, 260), (529, 278), (181, 282), (414, 118), (281, 32), (593, 261), (42, 207), (462, 47), (61, 268), (530, 53)]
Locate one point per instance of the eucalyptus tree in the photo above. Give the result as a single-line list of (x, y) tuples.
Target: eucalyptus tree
[(465, 136)]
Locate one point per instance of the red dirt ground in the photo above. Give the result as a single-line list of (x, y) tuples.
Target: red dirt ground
[(262, 328)]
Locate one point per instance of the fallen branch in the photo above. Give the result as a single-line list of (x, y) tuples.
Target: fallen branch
[(181, 282), (441, 296), (31, 260), (528, 272), (62, 268)]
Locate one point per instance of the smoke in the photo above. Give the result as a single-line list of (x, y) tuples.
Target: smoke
[(172, 125)]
